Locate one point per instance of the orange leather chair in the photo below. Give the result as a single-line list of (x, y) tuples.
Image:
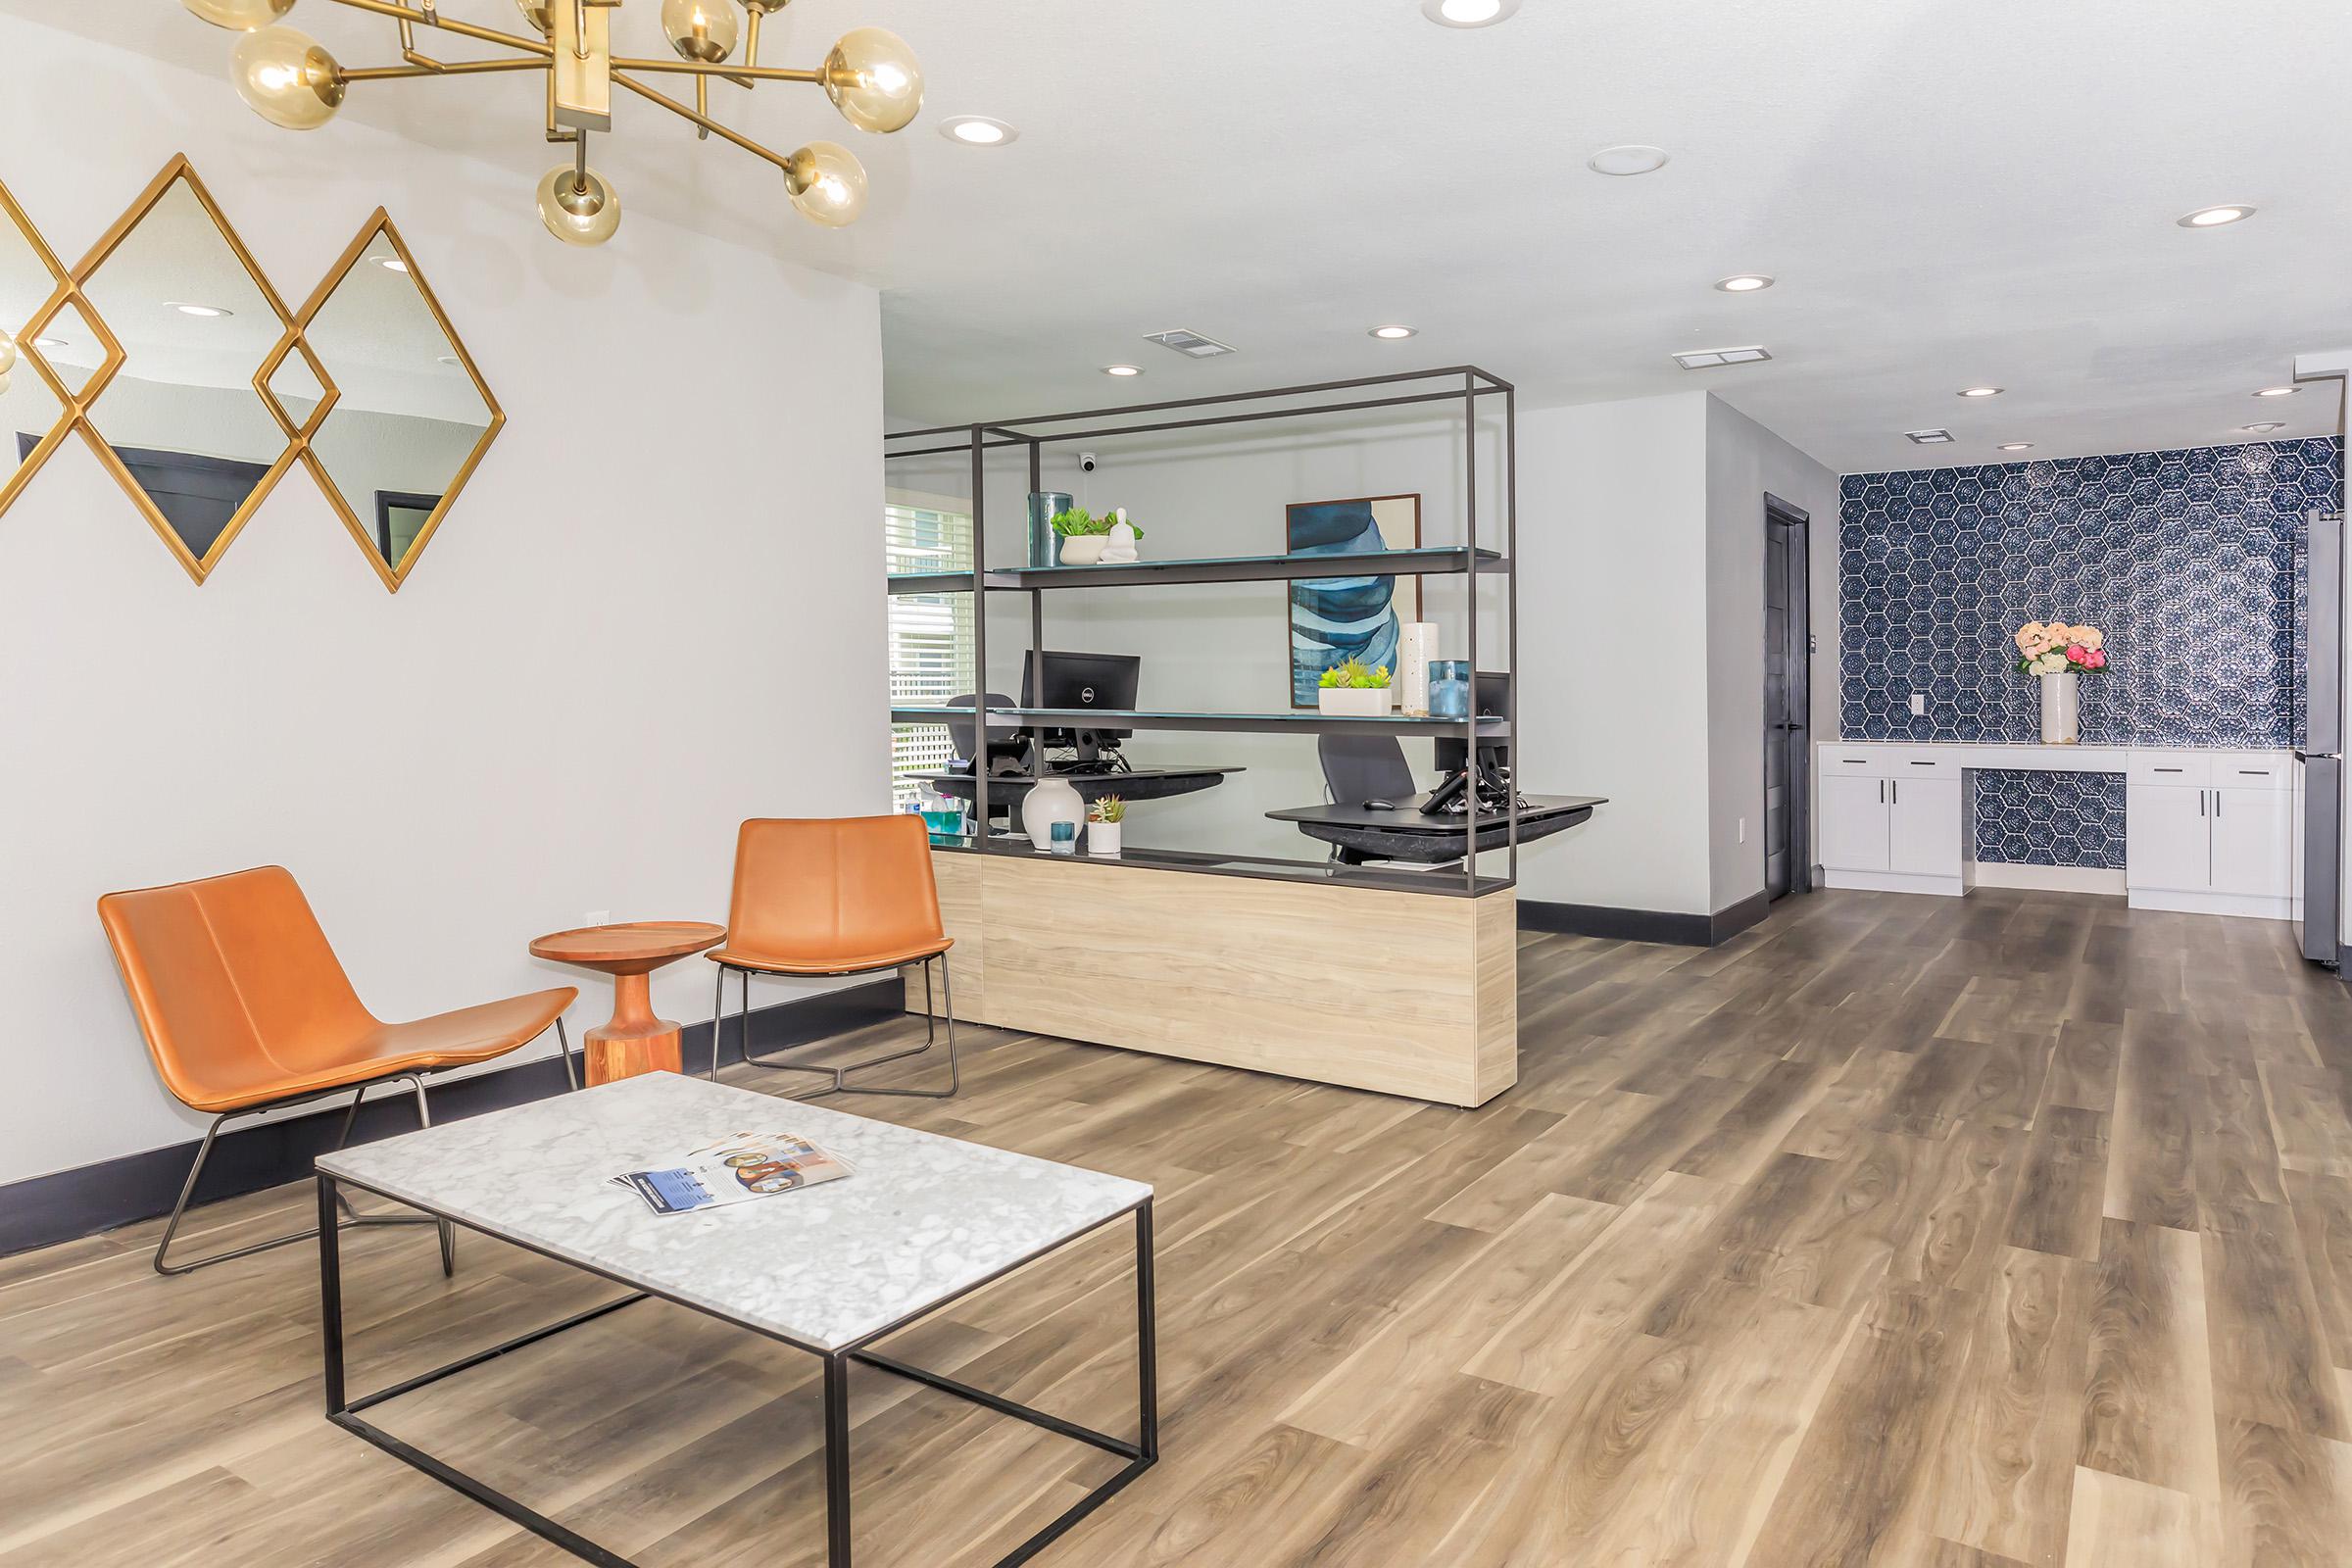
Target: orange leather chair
[(836, 896), (245, 1008)]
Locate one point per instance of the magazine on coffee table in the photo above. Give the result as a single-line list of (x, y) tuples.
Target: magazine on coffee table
[(736, 1169)]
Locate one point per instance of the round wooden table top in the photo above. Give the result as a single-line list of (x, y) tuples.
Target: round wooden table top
[(635, 947)]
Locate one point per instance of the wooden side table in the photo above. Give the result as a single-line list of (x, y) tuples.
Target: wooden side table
[(634, 1042)]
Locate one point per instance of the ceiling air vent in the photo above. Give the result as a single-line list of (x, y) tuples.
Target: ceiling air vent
[(1708, 358), (1928, 438), (1190, 344)]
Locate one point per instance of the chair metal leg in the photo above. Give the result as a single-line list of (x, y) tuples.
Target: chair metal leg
[(719, 1018), (563, 1041), (831, 1074), (947, 980), (449, 1232)]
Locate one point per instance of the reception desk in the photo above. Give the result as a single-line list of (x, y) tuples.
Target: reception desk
[(1396, 982)]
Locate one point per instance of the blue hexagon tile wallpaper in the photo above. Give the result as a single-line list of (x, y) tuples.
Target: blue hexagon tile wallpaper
[(2187, 561)]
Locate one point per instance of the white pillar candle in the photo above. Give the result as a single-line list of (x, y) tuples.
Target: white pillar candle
[(1418, 643)]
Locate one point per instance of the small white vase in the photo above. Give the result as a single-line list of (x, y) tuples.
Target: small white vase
[(1102, 838), (2060, 709), (1082, 549), (1353, 701), (1414, 647), (1050, 800)]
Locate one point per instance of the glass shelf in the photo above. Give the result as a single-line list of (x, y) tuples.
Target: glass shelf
[(1305, 721), (1435, 561)]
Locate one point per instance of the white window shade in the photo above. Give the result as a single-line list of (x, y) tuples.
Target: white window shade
[(930, 636)]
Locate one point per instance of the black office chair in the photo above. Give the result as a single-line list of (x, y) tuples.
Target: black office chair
[(964, 739), (1365, 767)]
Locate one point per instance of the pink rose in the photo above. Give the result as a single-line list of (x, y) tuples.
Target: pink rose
[(2078, 653), (2096, 661)]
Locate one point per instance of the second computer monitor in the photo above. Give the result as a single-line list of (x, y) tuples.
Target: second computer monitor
[(1494, 702), (1106, 681)]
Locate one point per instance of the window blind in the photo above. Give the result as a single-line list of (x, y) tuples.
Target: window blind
[(930, 636)]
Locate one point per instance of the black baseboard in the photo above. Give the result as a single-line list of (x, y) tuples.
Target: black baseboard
[(1643, 925), (69, 1203)]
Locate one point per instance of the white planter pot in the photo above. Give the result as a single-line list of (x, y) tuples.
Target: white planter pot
[(1102, 838), (1082, 549), (2060, 707), (1050, 800), (1354, 702)]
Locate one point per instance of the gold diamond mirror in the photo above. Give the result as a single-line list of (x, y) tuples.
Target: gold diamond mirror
[(403, 417), (182, 424), (33, 416)]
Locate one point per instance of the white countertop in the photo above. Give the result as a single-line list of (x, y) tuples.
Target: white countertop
[(923, 1217)]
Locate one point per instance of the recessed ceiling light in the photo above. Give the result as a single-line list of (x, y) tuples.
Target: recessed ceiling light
[(1744, 283), (1928, 438), (2017, 446), (2278, 391), (1468, 12), (1122, 369), (2215, 217), (206, 311), (391, 263), (1709, 359), (1189, 343), (449, 360), (1627, 161), (978, 130), (2264, 428), (1980, 391), (1393, 332)]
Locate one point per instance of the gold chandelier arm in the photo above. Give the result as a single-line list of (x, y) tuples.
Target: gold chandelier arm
[(421, 67), (463, 30), (745, 74), (703, 120)]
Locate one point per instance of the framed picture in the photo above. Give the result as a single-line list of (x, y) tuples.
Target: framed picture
[(1334, 619)]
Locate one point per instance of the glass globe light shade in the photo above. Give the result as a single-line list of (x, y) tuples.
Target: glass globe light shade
[(536, 13), (287, 79), (8, 355), (827, 184), (239, 16), (578, 210), (874, 80), (702, 30)]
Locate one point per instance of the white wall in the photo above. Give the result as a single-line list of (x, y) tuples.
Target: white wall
[(1744, 461), (653, 612)]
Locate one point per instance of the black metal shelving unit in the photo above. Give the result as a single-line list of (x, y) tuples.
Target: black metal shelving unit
[(1462, 386)]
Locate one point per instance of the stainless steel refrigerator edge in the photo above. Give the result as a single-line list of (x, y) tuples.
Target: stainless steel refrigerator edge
[(2320, 760)]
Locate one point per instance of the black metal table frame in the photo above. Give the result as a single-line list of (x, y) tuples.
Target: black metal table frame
[(1139, 1455)]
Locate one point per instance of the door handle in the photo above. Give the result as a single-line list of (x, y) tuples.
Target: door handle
[(1882, 792), (2200, 803), (2216, 803), (1898, 791)]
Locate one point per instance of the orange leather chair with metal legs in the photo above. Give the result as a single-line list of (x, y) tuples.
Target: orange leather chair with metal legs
[(245, 1008), (836, 896)]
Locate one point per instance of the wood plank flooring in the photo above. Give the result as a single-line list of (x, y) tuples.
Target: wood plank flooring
[(1915, 1231)]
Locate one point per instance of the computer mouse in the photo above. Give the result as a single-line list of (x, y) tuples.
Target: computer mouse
[(1380, 806)]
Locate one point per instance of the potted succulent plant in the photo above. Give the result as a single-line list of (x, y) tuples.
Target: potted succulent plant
[(1084, 535), (1103, 825), (1353, 691)]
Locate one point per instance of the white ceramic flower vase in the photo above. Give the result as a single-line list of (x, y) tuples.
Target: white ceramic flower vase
[(1050, 800), (2060, 709), (1082, 549), (1353, 701)]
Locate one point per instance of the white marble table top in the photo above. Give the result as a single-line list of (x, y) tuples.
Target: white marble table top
[(923, 1218)]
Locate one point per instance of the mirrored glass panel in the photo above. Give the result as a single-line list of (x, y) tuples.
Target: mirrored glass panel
[(181, 423), (410, 417), (33, 417)]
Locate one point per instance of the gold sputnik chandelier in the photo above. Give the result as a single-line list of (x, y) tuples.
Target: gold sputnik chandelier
[(870, 75)]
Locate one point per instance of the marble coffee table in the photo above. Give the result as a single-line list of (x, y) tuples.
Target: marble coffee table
[(828, 1270)]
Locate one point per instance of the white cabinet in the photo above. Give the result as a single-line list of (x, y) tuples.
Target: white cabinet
[(1924, 826), (1853, 824), (2228, 848), (2254, 841), (2168, 838)]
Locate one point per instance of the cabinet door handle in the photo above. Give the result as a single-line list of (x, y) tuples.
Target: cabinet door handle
[(1923, 764), (1897, 785), (2254, 772), (1882, 792), (2217, 802), (2171, 770), (2200, 803)]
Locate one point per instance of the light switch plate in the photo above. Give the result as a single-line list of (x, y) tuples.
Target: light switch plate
[(1919, 705)]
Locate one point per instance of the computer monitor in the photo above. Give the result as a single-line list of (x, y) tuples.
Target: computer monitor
[(1106, 681), (1494, 702)]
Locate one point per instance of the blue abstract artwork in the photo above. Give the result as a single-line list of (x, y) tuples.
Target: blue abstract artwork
[(1334, 619)]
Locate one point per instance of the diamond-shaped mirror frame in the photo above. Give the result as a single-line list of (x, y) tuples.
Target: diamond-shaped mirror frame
[(380, 222), (69, 410), (175, 171)]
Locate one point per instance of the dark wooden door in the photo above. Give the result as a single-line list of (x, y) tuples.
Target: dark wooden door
[(1788, 692)]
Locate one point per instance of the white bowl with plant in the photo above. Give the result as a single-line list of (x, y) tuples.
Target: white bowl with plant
[(1084, 535), (1103, 826), (1354, 689)]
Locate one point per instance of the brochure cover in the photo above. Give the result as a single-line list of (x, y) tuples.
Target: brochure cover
[(736, 1169)]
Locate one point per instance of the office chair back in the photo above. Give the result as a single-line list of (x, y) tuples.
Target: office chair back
[(1365, 767), (830, 895), (963, 738)]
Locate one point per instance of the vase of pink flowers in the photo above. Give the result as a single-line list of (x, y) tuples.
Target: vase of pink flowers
[(2059, 654)]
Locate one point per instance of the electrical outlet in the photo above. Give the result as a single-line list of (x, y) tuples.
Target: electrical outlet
[(1919, 705), (1744, 830), (600, 917)]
